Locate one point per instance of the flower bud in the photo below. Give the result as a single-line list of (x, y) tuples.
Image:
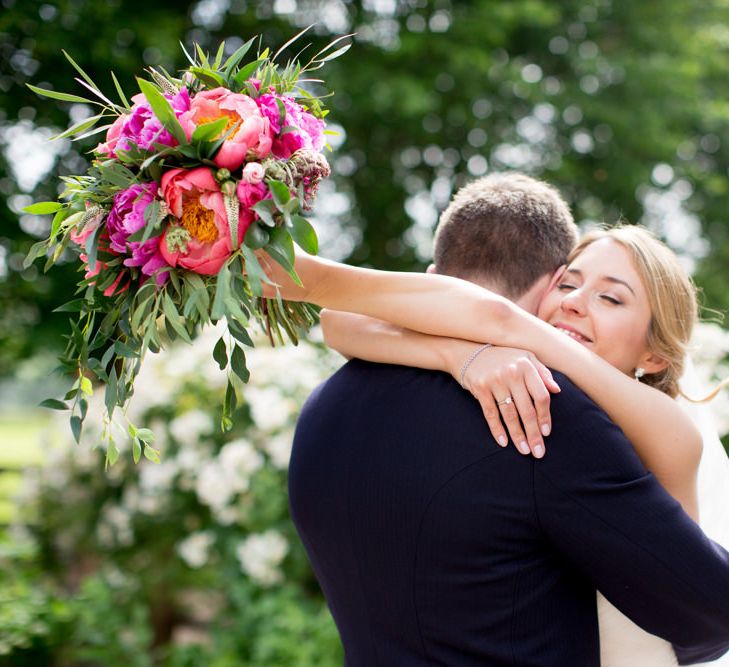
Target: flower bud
[(228, 188), (222, 175), (253, 173)]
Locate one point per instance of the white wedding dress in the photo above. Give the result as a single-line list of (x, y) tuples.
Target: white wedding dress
[(624, 644)]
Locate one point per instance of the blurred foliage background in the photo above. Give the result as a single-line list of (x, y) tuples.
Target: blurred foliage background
[(622, 104)]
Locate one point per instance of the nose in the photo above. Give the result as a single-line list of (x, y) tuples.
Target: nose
[(574, 302)]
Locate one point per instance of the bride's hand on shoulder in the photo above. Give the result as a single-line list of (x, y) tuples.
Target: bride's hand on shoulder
[(513, 388)]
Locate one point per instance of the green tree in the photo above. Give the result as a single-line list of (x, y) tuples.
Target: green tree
[(620, 104)]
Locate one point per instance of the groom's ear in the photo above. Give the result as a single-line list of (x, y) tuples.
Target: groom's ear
[(431, 269)]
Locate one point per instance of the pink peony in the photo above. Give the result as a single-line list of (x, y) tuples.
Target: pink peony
[(108, 148), (303, 130), (253, 133), (201, 241), (143, 129), (127, 217)]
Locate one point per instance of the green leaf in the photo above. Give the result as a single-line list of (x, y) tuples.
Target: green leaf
[(174, 318), (151, 454), (209, 131), (239, 333), (256, 237), (163, 110), (238, 363), (265, 210), (229, 405), (233, 61), (136, 450), (54, 404), (304, 234), (79, 127), (43, 208), (219, 354), (280, 191), (63, 97), (92, 247), (112, 453), (281, 248), (124, 350), (76, 428), (86, 386), (219, 55), (120, 92), (77, 67), (222, 290), (208, 77), (71, 306), (110, 395), (145, 435), (36, 250), (83, 405), (246, 72)]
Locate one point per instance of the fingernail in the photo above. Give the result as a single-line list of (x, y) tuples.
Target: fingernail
[(545, 429), (523, 447), (539, 451), (503, 441)]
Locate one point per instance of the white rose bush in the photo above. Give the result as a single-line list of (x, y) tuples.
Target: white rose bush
[(189, 561)]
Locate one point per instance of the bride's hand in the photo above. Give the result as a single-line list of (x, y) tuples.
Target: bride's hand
[(513, 386)]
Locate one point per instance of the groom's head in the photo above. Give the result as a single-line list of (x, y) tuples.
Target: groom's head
[(505, 231)]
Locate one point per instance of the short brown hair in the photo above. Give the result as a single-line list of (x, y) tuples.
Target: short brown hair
[(508, 229)]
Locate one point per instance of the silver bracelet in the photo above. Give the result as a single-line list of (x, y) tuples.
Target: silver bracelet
[(471, 359)]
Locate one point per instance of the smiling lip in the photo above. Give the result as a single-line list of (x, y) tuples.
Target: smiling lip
[(572, 333)]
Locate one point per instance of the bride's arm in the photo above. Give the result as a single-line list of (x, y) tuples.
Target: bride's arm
[(515, 373), (663, 435)]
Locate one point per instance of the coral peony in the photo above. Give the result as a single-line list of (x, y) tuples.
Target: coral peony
[(253, 132), (201, 241)]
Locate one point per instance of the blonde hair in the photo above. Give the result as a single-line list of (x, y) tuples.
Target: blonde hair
[(671, 297)]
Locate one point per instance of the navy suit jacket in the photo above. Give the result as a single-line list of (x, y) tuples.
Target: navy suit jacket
[(435, 546)]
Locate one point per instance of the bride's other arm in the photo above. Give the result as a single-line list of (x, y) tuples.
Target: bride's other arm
[(664, 436)]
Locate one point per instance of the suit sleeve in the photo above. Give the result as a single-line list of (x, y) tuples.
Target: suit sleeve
[(616, 523)]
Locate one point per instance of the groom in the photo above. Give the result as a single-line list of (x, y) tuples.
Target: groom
[(434, 546)]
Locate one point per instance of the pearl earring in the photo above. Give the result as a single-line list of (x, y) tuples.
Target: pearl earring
[(639, 373)]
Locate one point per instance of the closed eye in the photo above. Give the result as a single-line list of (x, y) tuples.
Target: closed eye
[(565, 287), (611, 299)]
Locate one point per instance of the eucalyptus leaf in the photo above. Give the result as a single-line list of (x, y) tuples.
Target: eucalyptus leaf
[(238, 363), (220, 354), (304, 234), (53, 404), (76, 428)]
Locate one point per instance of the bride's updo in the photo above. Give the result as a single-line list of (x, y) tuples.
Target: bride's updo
[(671, 296)]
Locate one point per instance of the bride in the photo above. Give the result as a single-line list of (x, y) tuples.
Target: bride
[(627, 309)]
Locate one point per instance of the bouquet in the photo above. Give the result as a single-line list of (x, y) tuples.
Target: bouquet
[(197, 174)]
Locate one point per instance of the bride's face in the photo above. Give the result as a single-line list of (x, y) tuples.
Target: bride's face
[(601, 302)]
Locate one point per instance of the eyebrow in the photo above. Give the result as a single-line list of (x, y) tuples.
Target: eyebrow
[(610, 279)]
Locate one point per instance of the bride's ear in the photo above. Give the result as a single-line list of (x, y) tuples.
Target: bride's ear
[(651, 363), (431, 269)]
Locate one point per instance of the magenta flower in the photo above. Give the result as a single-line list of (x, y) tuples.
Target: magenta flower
[(143, 129), (303, 130), (127, 217)]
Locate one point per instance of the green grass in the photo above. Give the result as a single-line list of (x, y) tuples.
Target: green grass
[(20, 438), (20, 432)]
